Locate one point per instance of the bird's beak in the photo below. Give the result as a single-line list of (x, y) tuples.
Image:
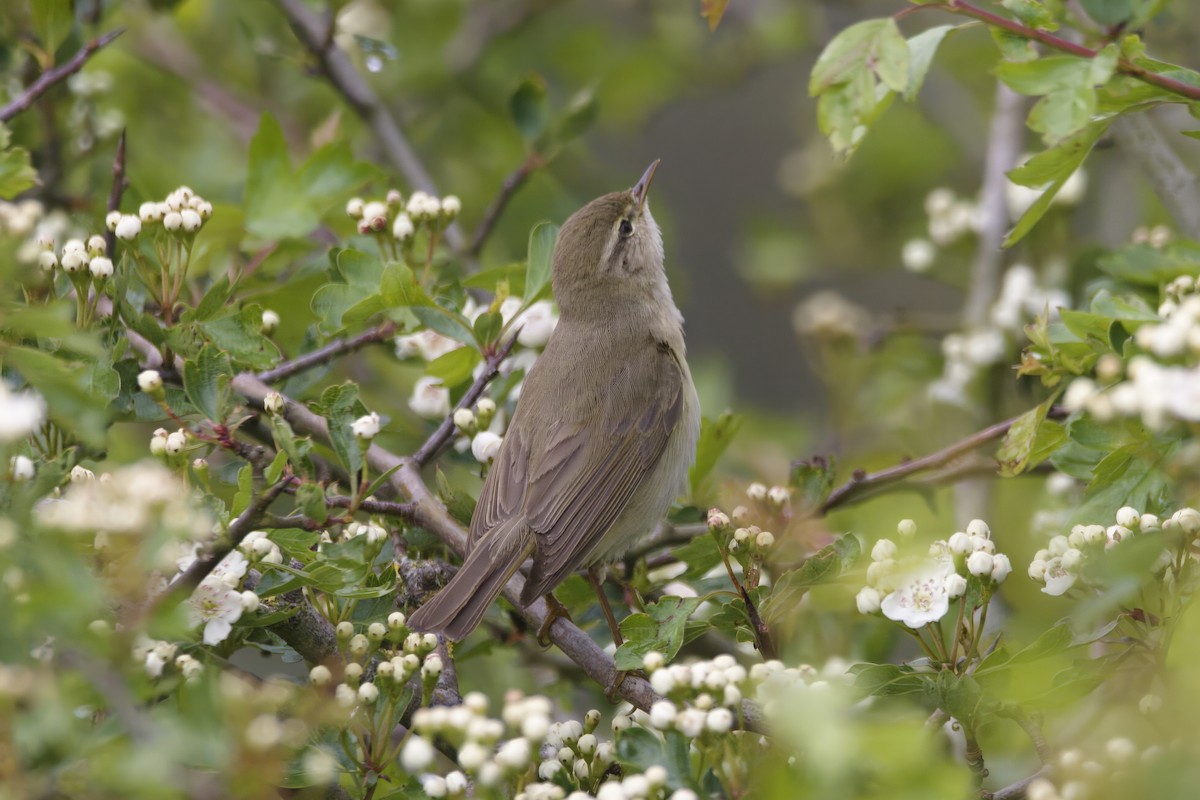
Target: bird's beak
[(642, 188)]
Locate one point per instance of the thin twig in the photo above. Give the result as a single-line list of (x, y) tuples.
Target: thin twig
[(315, 34), (238, 530), (1124, 65), (1031, 728), (323, 355), (52, 76), (114, 196), (862, 482), (515, 180), (441, 437), (1014, 791)]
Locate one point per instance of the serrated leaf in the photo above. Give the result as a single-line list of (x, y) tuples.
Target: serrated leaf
[(1143, 265), (874, 45), (660, 628), (340, 407), (827, 563), (1013, 47), (1056, 164), (1016, 453), (16, 170), (1032, 13), (1108, 12), (310, 498), (276, 205), (204, 380)]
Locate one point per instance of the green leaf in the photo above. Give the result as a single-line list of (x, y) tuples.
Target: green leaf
[(488, 326), (276, 205), (1108, 12), (639, 749), (1025, 446), (455, 367), (16, 171), (874, 45), (340, 406), (701, 554), (1013, 47), (331, 173), (576, 118), (529, 107), (66, 388), (1055, 165), (1045, 75), (890, 679), (205, 378), (921, 50), (240, 335), (827, 563), (659, 628), (1032, 13), (541, 252), (52, 21), (715, 436), (1143, 265), (813, 478), (310, 498), (1062, 112), (1131, 475)]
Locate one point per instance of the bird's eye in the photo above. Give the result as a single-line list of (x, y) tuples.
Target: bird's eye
[(626, 227)]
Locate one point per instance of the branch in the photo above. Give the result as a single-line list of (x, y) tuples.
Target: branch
[(52, 76), (316, 34), (238, 530), (441, 437), (1014, 791), (515, 180), (863, 482), (119, 185), (1174, 183), (323, 355), (1124, 65), (432, 515)]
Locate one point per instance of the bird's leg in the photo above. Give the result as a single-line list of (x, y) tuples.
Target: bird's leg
[(594, 577), (554, 610)]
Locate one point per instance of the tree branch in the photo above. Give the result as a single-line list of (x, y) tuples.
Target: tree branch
[(1014, 791), (441, 437), (515, 180), (114, 196), (1124, 65), (316, 35), (863, 482), (1174, 183), (53, 76), (323, 355)]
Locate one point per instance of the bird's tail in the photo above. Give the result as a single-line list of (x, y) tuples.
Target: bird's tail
[(458, 607)]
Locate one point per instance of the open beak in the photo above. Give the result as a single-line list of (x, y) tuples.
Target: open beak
[(642, 188)]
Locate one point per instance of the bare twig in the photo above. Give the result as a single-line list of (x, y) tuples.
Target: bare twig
[(441, 437), (862, 482), (515, 180), (323, 355), (1031, 728), (315, 34), (1174, 183), (118, 189), (53, 76)]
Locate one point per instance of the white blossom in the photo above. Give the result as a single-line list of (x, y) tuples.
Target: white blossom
[(920, 596), (215, 606), (536, 324), (21, 413), (366, 428), (128, 227), (485, 446), (918, 255), (430, 399)]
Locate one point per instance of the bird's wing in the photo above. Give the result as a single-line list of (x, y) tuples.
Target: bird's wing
[(588, 470)]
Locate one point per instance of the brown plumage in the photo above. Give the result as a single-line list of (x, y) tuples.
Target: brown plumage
[(604, 431)]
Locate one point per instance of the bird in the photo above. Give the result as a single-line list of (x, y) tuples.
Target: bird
[(604, 431)]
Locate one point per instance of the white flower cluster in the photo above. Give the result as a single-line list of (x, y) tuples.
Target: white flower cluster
[(1078, 774), (164, 443), (374, 533), (1060, 564), (134, 501), (78, 258), (155, 655), (21, 413), (535, 324), (1157, 237), (917, 590), (524, 748), (1179, 332), (1022, 298), (20, 218), (776, 497), (183, 212), (216, 603), (951, 217), (401, 218), (737, 536), (1158, 394)]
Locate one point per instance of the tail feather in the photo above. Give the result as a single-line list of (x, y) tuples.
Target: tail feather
[(458, 607)]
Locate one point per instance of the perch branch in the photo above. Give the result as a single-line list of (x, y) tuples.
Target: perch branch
[(323, 355), (53, 76)]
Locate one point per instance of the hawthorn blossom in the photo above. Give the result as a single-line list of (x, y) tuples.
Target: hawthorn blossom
[(215, 606), (921, 595)]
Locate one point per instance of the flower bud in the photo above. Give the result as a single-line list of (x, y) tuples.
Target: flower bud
[(344, 630), (980, 563), (778, 496), (111, 220), (96, 245), (485, 446), (451, 206), (717, 519), (101, 267), (403, 227), (47, 261), (319, 675), (80, 474), (128, 227), (366, 428), (176, 442), (376, 631), (395, 621), (464, 420), (756, 492), (273, 403), (172, 221), (906, 529), (270, 321), (354, 207)]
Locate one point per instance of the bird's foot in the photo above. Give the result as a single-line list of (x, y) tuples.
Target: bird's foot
[(554, 610)]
